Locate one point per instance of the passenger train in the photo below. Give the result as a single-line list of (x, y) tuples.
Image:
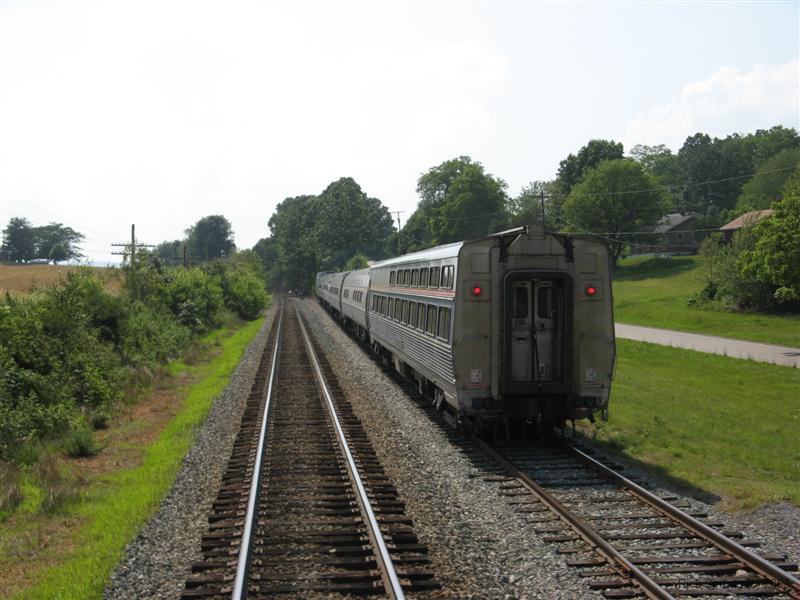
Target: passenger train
[(515, 327)]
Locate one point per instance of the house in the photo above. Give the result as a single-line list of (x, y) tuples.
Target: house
[(673, 234), (745, 220)]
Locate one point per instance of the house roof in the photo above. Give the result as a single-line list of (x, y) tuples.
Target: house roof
[(746, 219), (671, 221)]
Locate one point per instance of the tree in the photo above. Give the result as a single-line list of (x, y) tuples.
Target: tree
[(526, 208), (170, 252), (616, 197), (348, 222), (49, 236), (211, 237), (19, 243), (775, 259), (58, 254), (572, 169), (458, 200), (359, 261), (767, 184)]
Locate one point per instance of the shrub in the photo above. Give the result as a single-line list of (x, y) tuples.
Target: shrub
[(80, 443), (244, 293), (195, 298)]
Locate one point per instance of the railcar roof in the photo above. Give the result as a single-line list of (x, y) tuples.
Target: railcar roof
[(436, 253)]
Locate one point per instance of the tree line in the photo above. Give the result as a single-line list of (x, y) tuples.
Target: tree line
[(598, 189), (22, 242)]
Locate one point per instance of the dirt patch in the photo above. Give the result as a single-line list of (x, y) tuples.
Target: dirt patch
[(20, 279)]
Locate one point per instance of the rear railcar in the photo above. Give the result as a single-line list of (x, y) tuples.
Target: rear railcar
[(355, 292)]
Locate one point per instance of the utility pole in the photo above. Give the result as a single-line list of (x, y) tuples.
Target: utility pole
[(131, 249), (397, 212), (542, 205)]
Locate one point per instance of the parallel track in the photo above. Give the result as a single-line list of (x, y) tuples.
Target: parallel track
[(629, 541), (305, 508)]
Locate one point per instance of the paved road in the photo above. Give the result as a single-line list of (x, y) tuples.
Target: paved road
[(779, 355)]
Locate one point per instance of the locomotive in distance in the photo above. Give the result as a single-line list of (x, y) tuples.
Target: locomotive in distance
[(515, 327)]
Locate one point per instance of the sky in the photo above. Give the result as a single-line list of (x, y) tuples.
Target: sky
[(160, 113)]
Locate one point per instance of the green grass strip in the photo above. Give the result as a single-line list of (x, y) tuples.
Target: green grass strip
[(117, 505), (653, 292), (719, 427)]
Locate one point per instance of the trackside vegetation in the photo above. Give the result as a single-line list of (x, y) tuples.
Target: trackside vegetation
[(72, 353), (114, 505), (706, 423)]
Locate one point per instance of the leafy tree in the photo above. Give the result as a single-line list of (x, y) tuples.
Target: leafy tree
[(459, 200), (767, 184), (58, 254), (346, 222), (660, 162), (616, 197), (526, 208), (19, 243), (211, 237), (572, 169), (170, 252), (49, 236), (359, 261), (775, 258)]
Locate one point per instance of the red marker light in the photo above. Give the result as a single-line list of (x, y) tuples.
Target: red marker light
[(476, 291), (590, 290)]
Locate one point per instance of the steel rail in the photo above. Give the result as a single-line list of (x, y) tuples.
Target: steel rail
[(242, 566), (621, 564), (785, 581), (391, 582)]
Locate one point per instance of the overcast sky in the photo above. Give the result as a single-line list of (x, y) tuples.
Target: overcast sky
[(159, 113)]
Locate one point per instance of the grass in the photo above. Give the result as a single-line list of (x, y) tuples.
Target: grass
[(716, 426), (115, 505), (653, 292)]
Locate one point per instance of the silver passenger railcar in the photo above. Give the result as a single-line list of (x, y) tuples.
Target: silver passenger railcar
[(514, 326)]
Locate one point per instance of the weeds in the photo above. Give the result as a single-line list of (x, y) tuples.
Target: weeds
[(80, 443), (57, 490), (10, 489)]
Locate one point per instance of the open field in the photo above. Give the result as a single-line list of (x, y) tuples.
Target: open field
[(653, 292), (723, 425), (19, 279), (70, 552)]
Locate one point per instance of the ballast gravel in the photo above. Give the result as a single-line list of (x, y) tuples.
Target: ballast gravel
[(157, 561)]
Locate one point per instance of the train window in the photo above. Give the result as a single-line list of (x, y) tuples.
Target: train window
[(543, 302), (412, 314), (434, 277), (421, 316), (390, 311), (423, 277), (444, 323), (415, 277), (448, 278), (432, 319), (392, 275), (382, 305), (405, 311), (408, 277), (398, 310), (374, 304), (346, 291), (520, 303)]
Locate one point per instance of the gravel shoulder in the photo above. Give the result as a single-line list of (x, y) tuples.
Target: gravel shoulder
[(481, 548), (157, 561)]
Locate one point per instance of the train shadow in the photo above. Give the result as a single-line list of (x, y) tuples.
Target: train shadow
[(641, 470)]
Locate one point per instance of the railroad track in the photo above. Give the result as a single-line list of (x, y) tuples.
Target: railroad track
[(305, 508), (627, 541)]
